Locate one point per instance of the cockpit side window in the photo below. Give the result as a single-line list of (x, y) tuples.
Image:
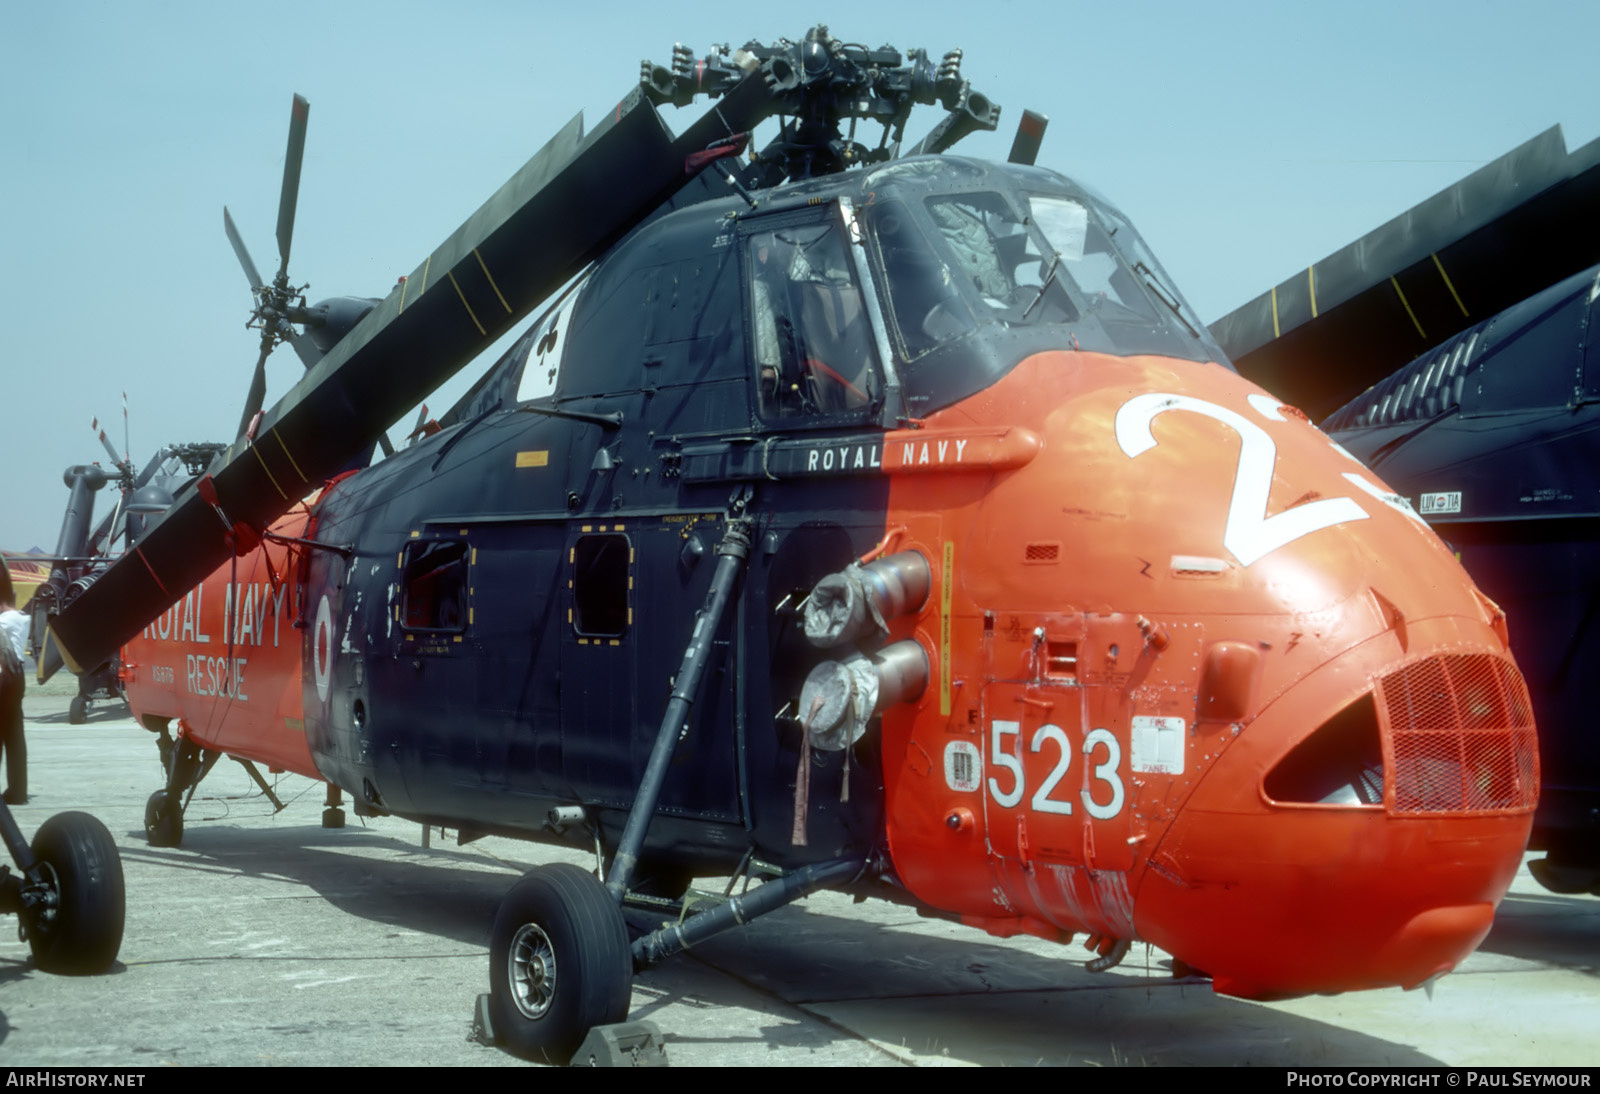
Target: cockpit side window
[(811, 337), (927, 308)]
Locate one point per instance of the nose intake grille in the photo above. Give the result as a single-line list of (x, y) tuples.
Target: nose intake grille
[(1461, 731)]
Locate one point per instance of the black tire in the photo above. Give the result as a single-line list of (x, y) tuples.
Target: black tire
[(163, 820), (77, 711), (559, 963), (80, 934)]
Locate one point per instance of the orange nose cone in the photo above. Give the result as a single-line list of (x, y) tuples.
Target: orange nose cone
[(1280, 881)]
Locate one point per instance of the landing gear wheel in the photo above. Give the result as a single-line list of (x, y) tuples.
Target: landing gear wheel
[(559, 963), (77, 711), (79, 929), (163, 819)]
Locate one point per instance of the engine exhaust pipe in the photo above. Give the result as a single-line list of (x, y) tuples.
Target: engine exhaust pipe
[(839, 698), (860, 600)]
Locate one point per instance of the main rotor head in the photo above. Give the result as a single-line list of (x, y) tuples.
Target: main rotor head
[(820, 82)]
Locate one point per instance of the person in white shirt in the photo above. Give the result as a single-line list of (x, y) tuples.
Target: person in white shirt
[(13, 683)]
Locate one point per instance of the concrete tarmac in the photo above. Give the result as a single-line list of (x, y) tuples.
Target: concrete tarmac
[(266, 939)]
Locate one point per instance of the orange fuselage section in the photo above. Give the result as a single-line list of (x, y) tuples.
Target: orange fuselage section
[(226, 659), (1196, 677)]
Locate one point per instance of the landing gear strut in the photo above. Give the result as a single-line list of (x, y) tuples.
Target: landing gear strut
[(186, 763), (560, 961)]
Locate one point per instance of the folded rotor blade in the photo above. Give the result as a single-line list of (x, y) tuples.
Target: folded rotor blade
[(569, 203), (1030, 134), (239, 249), (1511, 228), (291, 179), (116, 460), (304, 348), (258, 390)]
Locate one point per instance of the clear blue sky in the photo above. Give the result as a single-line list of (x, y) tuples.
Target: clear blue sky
[(1245, 140)]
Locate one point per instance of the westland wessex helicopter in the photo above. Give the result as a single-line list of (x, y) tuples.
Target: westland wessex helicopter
[(853, 519), (84, 550), (1456, 351)]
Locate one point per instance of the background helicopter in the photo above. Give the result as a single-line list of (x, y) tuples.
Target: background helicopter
[(1488, 290), (902, 436), (82, 551)]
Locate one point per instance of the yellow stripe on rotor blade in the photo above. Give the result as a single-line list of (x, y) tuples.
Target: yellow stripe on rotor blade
[(470, 313), (268, 470), (490, 277), (1407, 305), (1447, 284), (289, 456)]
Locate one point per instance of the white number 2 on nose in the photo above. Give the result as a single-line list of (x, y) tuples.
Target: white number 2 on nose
[(1249, 533)]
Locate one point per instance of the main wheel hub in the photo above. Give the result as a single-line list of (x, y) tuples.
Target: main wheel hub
[(532, 971)]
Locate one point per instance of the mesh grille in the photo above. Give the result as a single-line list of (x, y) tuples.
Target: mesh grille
[(1041, 552), (1461, 728)]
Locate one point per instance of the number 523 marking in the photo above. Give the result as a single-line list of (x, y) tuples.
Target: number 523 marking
[(1009, 759)]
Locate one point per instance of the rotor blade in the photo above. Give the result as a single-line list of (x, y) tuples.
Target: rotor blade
[(116, 461), (304, 348), (258, 390), (1030, 134), (239, 249), (567, 205), (291, 180), (1512, 228)]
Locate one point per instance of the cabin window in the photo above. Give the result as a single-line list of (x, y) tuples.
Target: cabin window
[(812, 340), (602, 577), (434, 587)]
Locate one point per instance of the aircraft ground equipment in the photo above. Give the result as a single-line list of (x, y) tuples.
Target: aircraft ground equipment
[(68, 892)]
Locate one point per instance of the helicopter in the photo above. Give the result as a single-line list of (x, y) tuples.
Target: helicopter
[(82, 551), (856, 516), (1475, 393)]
